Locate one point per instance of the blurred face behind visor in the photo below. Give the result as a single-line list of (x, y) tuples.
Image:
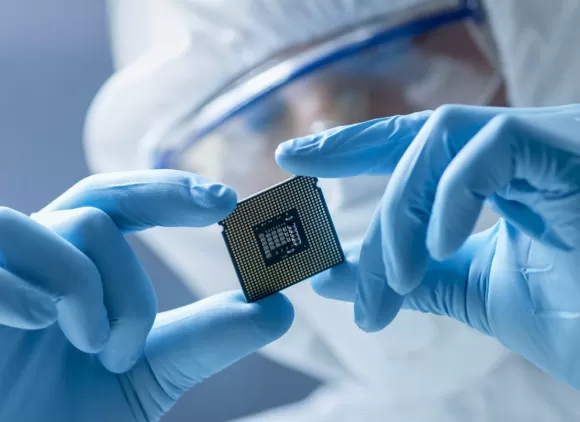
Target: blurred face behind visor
[(419, 60)]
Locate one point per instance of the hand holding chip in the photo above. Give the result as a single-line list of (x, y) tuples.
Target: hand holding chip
[(80, 336), (517, 281)]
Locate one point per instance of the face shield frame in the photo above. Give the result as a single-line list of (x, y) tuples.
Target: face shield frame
[(183, 131), (188, 140)]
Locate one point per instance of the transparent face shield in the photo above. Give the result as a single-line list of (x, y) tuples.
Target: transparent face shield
[(393, 66)]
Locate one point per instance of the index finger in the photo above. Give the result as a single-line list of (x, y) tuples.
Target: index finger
[(372, 148), (139, 200)]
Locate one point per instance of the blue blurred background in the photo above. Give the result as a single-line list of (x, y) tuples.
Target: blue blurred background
[(54, 56)]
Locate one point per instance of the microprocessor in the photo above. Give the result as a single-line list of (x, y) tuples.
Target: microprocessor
[(281, 236)]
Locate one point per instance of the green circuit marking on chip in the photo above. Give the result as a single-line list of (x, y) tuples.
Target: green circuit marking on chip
[(281, 236)]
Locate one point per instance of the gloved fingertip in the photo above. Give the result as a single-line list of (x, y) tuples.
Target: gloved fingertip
[(363, 320), (273, 315), (288, 157), (119, 364), (129, 332), (98, 342), (310, 156), (406, 264), (114, 366), (296, 146), (221, 198), (403, 287), (42, 315), (87, 336), (222, 193), (384, 310), (324, 285), (444, 239), (367, 301), (370, 323), (366, 298), (282, 150), (337, 283), (437, 250)]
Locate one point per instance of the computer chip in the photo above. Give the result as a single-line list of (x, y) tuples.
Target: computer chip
[(281, 236)]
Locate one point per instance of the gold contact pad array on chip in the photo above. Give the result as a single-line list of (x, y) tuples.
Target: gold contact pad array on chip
[(281, 236)]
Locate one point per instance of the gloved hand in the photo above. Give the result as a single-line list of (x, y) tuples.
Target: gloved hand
[(77, 309), (517, 281)]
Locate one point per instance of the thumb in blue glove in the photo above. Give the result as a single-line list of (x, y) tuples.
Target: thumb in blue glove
[(516, 281), (110, 357)]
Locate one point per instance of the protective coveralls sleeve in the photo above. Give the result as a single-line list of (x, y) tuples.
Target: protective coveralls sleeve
[(515, 281), (73, 293)]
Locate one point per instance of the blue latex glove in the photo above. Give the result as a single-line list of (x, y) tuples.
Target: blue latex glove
[(77, 309), (517, 281)]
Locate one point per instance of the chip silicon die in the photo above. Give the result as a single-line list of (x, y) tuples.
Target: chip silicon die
[(281, 236)]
